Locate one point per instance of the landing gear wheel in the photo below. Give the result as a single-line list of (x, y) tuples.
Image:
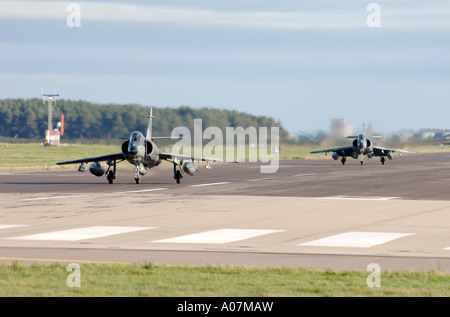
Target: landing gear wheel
[(138, 180), (362, 162), (110, 177), (382, 160), (178, 176), (177, 173), (343, 160)]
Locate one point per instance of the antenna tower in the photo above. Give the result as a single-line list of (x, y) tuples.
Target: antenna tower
[(51, 100)]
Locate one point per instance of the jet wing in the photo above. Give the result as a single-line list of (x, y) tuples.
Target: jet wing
[(342, 151), (381, 151), (117, 156), (173, 156)]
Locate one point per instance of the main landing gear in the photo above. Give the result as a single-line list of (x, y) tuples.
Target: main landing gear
[(177, 175), (343, 160), (111, 175), (382, 160)]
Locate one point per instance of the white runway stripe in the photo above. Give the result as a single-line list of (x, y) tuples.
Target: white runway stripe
[(11, 226), (53, 197), (300, 175), (358, 198), (209, 184), (81, 233), (356, 239), (219, 236), (260, 179), (141, 190)]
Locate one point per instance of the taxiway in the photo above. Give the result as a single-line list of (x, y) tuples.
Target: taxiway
[(310, 213)]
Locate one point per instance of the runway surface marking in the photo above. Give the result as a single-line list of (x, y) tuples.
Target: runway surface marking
[(219, 236), (299, 175), (209, 184), (81, 233), (358, 197), (11, 226), (356, 239), (53, 197), (260, 179), (140, 191)]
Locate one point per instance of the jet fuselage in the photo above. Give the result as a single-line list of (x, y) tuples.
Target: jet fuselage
[(140, 151)]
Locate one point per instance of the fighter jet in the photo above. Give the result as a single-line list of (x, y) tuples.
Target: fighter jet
[(362, 146), (142, 152)]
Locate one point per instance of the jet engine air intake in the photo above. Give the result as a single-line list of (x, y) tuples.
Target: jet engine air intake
[(152, 153), (335, 156), (125, 147), (149, 148), (390, 155)]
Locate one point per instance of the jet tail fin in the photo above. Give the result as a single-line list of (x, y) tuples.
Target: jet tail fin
[(150, 125)]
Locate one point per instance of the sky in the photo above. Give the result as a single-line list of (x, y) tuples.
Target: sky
[(304, 63)]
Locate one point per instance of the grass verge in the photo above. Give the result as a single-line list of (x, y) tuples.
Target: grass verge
[(147, 279)]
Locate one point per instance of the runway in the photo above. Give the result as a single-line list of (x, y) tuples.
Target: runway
[(310, 213)]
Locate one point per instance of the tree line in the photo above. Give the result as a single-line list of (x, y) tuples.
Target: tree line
[(28, 119)]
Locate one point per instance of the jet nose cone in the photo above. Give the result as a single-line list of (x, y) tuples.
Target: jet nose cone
[(133, 150)]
